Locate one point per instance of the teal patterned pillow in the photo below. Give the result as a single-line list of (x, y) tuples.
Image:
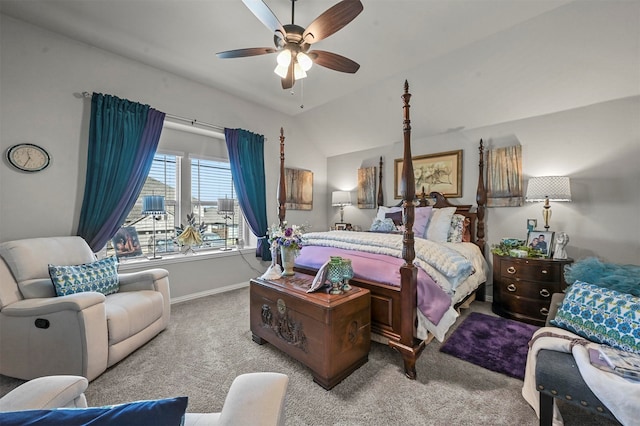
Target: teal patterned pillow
[(100, 276), (601, 315)]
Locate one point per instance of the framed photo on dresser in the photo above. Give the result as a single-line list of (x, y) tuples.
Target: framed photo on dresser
[(541, 240)]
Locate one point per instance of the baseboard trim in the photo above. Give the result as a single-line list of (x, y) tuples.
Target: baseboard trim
[(211, 292)]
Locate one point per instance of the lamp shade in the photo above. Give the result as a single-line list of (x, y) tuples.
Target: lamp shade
[(340, 198), (153, 204), (225, 205), (555, 188)]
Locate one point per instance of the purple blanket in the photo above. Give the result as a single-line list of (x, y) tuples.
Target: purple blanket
[(433, 302)]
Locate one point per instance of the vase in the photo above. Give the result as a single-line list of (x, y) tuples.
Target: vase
[(288, 256)]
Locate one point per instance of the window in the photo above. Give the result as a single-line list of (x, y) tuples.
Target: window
[(210, 181), (191, 184), (163, 179)]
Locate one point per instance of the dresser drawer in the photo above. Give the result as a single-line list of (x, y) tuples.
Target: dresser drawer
[(534, 290), (526, 270), (523, 307)]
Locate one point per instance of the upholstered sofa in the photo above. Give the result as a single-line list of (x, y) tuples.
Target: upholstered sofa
[(82, 333), (255, 399)]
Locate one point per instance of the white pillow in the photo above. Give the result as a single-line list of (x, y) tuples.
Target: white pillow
[(439, 225), (382, 211)]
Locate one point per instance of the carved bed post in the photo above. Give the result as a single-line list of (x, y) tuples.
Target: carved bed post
[(282, 188), (380, 196), (481, 199), (408, 347)]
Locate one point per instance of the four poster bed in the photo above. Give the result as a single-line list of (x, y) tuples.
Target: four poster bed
[(412, 299)]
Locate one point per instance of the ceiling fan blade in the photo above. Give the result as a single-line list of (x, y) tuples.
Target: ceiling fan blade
[(289, 81), (333, 61), (241, 53), (333, 19), (266, 16)]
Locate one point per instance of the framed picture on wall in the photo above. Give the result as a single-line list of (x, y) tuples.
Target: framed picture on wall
[(299, 189), (440, 172), (540, 240)]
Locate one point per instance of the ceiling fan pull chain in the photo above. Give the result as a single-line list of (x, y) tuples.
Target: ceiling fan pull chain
[(302, 94)]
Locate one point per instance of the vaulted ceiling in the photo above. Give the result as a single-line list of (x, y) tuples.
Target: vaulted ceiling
[(476, 62)]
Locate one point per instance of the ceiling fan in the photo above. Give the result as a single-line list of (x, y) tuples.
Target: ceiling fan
[(293, 42)]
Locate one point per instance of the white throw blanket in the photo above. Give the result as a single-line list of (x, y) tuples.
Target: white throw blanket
[(443, 264), (621, 396)]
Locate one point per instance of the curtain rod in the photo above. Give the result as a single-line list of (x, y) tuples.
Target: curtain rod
[(192, 121)]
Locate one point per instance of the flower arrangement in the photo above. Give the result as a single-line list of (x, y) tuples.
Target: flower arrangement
[(505, 248), (286, 236), (191, 234)]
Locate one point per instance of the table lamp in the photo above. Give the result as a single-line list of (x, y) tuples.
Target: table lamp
[(548, 188), (341, 199), (153, 205)]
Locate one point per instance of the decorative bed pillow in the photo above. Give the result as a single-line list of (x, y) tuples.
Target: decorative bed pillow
[(382, 211), (169, 411), (396, 217), (384, 225), (459, 226), (421, 222), (439, 224), (100, 276), (601, 315)]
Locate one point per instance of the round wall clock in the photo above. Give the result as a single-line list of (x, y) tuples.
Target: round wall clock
[(28, 157)]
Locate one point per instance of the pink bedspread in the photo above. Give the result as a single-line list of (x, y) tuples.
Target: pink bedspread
[(433, 302)]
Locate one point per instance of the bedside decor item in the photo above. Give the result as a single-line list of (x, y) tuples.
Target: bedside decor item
[(548, 188), (334, 275), (540, 241), (153, 205), (440, 172), (226, 207), (341, 199), (531, 224), (559, 252), (347, 274), (28, 157)]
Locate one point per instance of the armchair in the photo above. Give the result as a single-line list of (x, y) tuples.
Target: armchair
[(253, 399), (82, 334)]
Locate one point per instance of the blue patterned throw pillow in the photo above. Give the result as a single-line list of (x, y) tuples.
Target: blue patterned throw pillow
[(601, 315), (100, 276)]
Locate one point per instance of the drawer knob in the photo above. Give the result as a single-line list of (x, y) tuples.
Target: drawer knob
[(511, 270), (511, 287), (545, 293), (544, 311), (544, 271)]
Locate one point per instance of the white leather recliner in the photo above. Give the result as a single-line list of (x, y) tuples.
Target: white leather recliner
[(81, 334), (256, 399)]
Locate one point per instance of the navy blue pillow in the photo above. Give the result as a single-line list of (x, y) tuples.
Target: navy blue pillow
[(161, 412), (396, 217)]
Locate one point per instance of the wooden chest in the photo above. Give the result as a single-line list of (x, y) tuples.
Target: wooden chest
[(330, 334)]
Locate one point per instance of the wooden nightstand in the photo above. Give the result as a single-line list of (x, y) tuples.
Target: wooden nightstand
[(522, 287)]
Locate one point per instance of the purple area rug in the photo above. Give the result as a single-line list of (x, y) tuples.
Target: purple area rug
[(494, 343)]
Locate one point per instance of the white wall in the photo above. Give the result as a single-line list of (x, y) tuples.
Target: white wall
[(597, 146), (41, 71)]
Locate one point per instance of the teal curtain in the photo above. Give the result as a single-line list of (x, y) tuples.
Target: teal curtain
[(123, 138), (246, 157)]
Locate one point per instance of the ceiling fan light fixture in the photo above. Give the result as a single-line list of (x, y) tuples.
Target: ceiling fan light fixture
[(298, 72), (281, 71), (304, 60), (284, 58)]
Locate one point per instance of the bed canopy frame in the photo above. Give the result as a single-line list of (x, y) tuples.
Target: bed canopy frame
[(393, 309)]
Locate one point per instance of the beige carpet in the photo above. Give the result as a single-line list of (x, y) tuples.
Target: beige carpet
[(208, 343)]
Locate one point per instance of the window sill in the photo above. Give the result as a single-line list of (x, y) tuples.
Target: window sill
[(170, 258)]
